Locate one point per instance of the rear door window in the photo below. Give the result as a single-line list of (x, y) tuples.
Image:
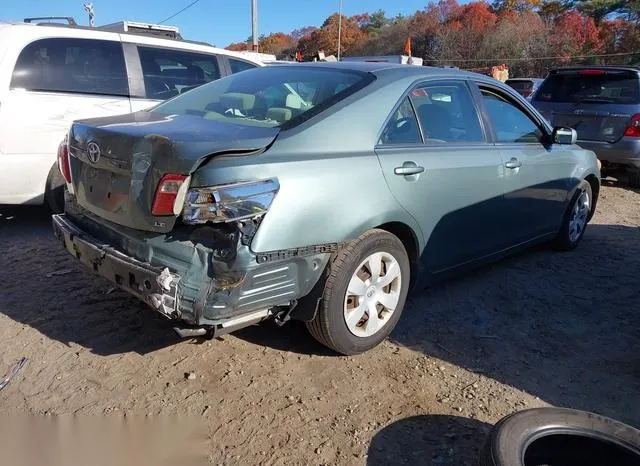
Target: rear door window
[(591, 86), (83, 66), (402, 127), (446, 113), (168, 72)]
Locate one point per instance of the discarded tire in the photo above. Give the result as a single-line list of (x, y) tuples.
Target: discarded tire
[(560, 437)]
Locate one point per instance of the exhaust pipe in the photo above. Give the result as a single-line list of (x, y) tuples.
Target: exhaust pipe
[(224, 327)]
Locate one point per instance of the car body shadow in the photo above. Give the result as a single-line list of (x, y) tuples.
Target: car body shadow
[(429, 440), (44, 288)]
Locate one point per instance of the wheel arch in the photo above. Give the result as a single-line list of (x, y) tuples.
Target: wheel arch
[(594, 181), (409, 239)]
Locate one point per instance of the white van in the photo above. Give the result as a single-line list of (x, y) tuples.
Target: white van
[(52, 74)]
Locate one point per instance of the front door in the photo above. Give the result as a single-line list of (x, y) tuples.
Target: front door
[(441, 169), (537, 175)]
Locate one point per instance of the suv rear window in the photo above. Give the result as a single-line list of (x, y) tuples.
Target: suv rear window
[(520, 86), (83, 66), (618, 87), (279, 96)]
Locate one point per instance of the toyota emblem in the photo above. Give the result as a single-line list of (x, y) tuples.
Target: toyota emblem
[(93, 152)]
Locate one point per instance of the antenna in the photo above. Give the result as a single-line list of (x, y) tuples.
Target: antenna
[(88, 7)]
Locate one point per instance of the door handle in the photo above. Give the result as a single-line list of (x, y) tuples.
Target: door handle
[(513, 163), (408, 168)]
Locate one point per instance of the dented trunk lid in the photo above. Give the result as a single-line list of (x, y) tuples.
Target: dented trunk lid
[(118, 180)]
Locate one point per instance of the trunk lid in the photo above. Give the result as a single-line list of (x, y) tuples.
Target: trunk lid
[(597, 103), (118, 180)]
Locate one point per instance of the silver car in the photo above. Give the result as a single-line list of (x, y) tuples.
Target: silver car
[(318, 192)]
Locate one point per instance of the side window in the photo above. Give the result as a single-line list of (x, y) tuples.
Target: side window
[(239, 65), (168, 73), (402, 127), (83, 66), (446, 113), (509, 123)]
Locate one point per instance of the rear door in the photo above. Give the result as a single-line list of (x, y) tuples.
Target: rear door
[(597, 103), (167, 72), (441, 169), (55, 81), (537, 175)]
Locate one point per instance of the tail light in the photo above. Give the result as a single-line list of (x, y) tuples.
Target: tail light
[(63, 160), (233, 202), (169, 195), (633, 130), (591, 72)]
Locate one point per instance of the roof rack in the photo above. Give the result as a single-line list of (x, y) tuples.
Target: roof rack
[(49, 19), (133, 27)]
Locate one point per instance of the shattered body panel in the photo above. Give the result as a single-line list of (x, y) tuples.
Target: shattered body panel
[(201, 275)]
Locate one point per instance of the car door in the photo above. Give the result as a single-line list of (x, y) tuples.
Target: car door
[(537, 174), (168, 72), (55, 81), (440, 167)]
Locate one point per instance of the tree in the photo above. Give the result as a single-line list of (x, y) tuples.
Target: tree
[(599, 9), (238, 46), (302, 32), (326, 38), (575, 34), (516, 5), (552, 9), (276, 43)]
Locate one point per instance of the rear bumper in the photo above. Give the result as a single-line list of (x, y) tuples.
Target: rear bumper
[(156, 286), (188, 281), (624, 152)]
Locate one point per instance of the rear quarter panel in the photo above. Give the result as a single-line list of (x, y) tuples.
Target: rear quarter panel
[(331, 185)]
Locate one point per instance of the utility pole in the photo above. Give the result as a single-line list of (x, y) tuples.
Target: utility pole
[(254, 25), (339, 28)]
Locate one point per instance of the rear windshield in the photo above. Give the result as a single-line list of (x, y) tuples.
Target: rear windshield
[(268, 96), (520, 85), (609, 87)]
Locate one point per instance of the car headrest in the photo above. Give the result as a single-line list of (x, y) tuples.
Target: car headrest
[(237, 100), (279, 114), (293, 101)]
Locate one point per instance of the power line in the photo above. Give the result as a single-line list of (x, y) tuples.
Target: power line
[(178, 12), (536, 58)]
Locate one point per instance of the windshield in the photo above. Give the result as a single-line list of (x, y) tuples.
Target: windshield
[(268, 96), (607, 87)]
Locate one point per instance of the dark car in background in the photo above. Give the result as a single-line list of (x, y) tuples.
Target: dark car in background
[(526, 87), (603, 105)]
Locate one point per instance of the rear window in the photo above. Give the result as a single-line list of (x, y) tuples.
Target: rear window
[(268, 96), (609, 87), (520, 85), (84, 66)]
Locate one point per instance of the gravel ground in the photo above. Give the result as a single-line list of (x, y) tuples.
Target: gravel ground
[(542, 328)]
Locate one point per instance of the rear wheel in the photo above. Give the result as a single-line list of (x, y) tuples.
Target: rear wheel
[(633, 178), (54, 191), (364, 294), (576, 218)]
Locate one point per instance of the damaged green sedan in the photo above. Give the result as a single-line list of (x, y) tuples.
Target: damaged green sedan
[(318, 192)]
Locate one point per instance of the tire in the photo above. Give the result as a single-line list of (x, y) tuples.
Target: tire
[(633, 179), (559, 436), (54, 191), (565, 239), (329, 325)]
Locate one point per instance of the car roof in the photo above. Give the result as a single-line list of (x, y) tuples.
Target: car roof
[(393, 69), (596, 67), (125, 37)]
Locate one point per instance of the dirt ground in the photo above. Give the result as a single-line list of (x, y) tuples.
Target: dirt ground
[(542, 328)]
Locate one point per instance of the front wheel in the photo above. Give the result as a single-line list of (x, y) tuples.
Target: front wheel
[(575, 219), (364, 294)]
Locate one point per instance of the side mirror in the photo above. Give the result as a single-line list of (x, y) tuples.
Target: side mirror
[(563, 135)]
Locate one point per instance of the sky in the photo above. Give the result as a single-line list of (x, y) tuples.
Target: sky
[(218, 22)]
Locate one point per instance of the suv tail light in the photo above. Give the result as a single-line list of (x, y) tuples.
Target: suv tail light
[(228, 203), (169, 195), (63, 160), (633, 130), (590, 72)]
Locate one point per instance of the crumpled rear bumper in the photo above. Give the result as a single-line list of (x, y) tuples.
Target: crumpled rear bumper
[(156, 286)]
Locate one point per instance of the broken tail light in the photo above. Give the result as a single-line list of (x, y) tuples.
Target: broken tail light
[(63, 160), (169, 195), (228, 203), (633, 130)]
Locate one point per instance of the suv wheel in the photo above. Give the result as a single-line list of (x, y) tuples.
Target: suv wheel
[(576, 218), (364, 294)]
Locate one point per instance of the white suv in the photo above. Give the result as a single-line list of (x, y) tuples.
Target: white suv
[(53, 74)]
